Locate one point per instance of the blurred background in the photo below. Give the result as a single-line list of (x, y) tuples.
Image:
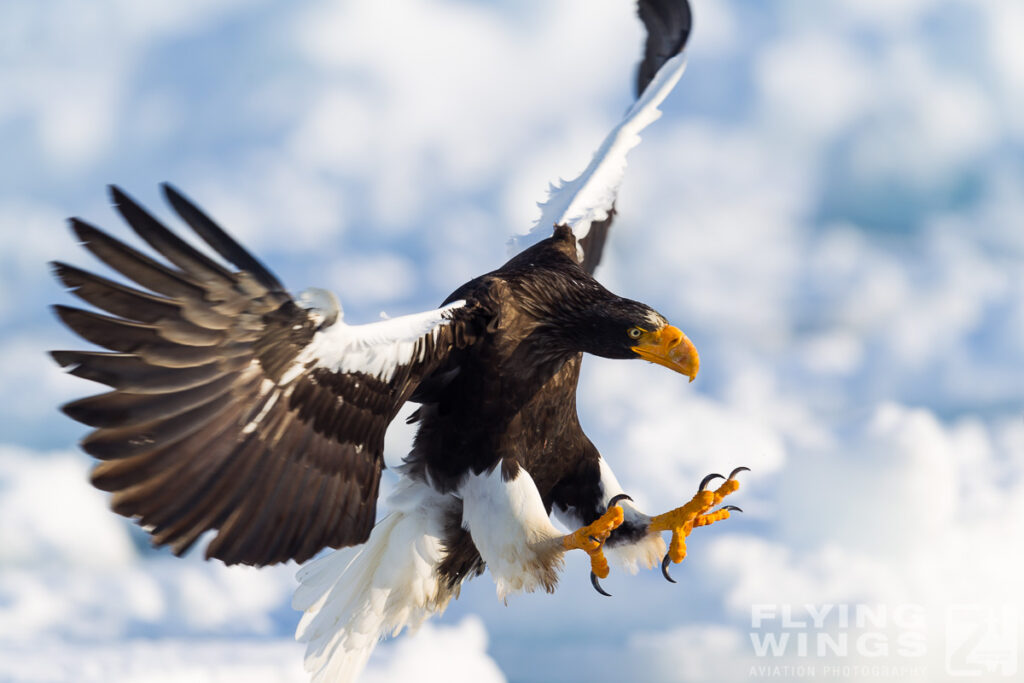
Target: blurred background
[(832, 208)]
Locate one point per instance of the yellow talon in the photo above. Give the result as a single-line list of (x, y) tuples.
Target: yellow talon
[(599, 564), (678, 518), (591, 538), (683, 519), (711, 518)]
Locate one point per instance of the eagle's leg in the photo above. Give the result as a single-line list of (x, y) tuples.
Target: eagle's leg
[(683, 519), (591, 539)]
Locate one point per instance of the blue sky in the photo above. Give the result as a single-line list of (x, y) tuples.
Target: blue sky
[(830, 207)]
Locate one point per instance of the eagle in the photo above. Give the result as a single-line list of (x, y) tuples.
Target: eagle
[(238, 409)]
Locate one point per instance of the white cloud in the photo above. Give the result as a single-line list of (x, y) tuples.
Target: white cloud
[(1005, 21), (68, 566), (834, 352), (698, 652), (891, 15), (31, 234), (269, 202), (450, 653), (373, 279), (927, 123), (717, 32), (32, 385), (168, 660), (813, 85), (917, 310), (68, 67), (52, 516), (903, 457), (212, 596), (78, 125), (436, 653), (486, 79), (688, 246)]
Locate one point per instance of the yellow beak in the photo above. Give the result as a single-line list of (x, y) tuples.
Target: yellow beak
[(671, 348)]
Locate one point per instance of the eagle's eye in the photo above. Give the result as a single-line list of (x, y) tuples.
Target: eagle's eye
[(634, 332)]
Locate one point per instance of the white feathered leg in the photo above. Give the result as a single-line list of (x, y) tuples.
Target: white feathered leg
[(354, 596), (511, 529)]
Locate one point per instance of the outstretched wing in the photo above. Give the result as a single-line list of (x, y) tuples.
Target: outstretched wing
[(233, 406), (587, 203)]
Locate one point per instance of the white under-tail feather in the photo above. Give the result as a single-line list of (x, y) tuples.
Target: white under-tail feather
[(353, 597)]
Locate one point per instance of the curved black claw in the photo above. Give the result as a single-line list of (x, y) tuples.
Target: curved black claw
[(706, 480), (617, 498), (732, 475), (733, 508), (594, 539), (664, 568), (597, 585)]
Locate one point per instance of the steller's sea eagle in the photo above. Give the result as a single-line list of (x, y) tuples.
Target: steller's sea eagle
[(239, 408)]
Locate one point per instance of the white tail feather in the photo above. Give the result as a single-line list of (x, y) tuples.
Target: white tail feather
[(354, 596)]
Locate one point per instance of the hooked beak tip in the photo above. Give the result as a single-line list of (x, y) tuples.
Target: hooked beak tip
[(670, 348)]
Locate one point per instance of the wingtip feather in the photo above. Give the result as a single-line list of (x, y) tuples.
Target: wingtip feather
[(62, 358), (116, 194), (81, 229), (171, 193), (57, 269)]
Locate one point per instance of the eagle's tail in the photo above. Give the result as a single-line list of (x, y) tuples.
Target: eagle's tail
[(354, 596)]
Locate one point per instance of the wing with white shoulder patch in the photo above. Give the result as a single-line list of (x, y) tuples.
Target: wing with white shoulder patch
[(380, 349), (587, 203), (234, 406)]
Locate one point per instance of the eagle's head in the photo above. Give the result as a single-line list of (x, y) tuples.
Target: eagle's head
[(622, 328)]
